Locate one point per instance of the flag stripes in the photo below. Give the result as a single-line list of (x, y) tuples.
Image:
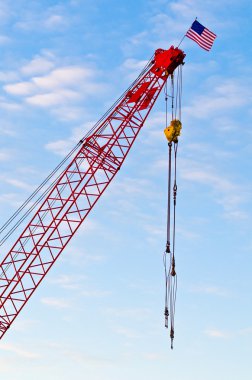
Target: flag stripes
[(201, 35)]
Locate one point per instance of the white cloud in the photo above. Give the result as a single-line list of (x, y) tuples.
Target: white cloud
[(7, 129), (55, 98), (227, 193), (215, 333), (133, 67), (10, 199), (226, 95), (162, 21), (192, 69), (95, 293), (246, 331), (8, 76), (81, 257), (19, 351), (206, 152), (152, 356), (38, 65), (20, 88), (225, 334), (88, 226), (212, 290), (63, 77), (55, 21), (45, 20), (134, 64), (173, 16), (24, 324), (132, 186), (6, 365), (71, 113), (187, 234), (5, 156), (155, 230), (138, 38), (81, 358), (154, 129), (46, 82), (4, 40), (237, 214), (58, 303), (4, 11), (62, 86), (9, 106), (62, 147), (68, 282), (128, 313), (77, 355), (126, 332), (17, 183), (184, 8), (206, 177)]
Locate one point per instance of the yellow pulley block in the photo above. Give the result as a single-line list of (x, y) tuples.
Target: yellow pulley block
[(173, 131)]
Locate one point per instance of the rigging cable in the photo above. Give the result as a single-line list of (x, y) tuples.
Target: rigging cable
[(168, 239), (172, 132), (8, 222), (47, 190), (50, 187)]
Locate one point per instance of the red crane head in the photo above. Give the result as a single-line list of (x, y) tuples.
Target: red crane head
[(166, 61)]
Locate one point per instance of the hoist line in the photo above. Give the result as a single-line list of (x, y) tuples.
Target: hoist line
[(168, 242), (166, 311), (166, 103), (168, 232), (172, 95), (175, 189), (169, 176), (168, 237), (173, 295), (173, 274), (36, 191), (178, 93), (176, 108), (170, 273)]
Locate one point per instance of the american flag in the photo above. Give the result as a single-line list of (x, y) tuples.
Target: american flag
[(201, 35)]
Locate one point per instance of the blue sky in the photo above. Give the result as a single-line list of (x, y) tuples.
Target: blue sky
[(99, 312)]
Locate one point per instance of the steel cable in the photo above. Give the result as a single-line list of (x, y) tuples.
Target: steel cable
[(43, 195)]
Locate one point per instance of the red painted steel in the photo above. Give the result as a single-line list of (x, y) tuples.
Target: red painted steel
[(79, 188)]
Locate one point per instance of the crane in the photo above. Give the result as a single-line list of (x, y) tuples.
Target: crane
[(94, 162)]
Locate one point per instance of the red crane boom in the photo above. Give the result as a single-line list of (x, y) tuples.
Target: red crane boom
[(79, 187)]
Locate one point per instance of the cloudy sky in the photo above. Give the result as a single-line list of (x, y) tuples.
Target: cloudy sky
[(99, 312)]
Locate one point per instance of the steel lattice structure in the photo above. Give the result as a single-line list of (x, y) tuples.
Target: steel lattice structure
[(79, 187)]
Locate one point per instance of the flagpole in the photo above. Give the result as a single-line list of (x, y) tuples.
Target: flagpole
[(181, 41), (185, 35)]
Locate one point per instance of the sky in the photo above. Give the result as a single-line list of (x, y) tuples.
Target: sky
[(98, 314)]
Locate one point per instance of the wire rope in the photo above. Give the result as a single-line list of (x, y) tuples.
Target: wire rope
[(50, 176)]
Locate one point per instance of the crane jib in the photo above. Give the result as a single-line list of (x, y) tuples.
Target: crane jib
[(79, 187)]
